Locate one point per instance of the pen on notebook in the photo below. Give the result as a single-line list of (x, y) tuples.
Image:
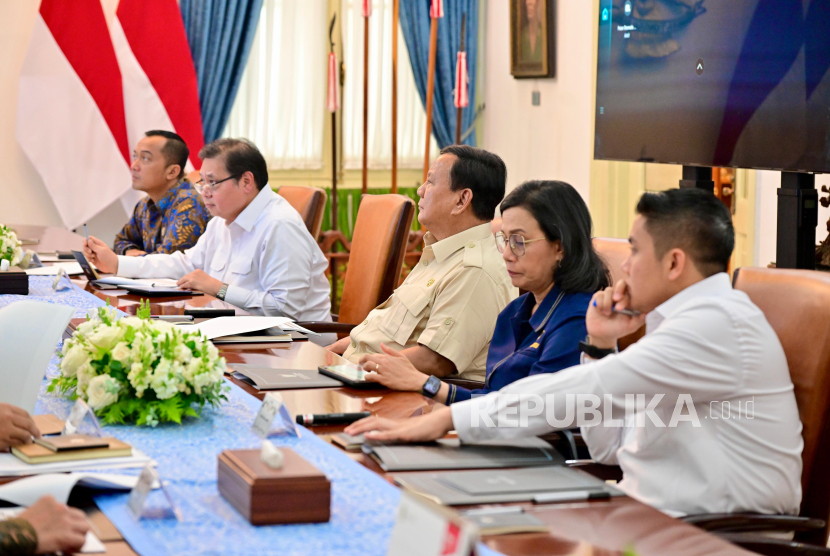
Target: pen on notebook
[(629, 312), (332, 418), (571, 496), (172, 317), (494, 510)]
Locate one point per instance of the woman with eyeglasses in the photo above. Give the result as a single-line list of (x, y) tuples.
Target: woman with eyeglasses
[(545, 240)]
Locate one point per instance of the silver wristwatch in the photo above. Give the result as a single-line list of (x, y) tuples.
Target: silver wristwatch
[(222, 292)]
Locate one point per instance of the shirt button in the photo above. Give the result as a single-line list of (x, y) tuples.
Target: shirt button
[(448, 322), (354, 344), (471, 245), (426, 263), (366, 321), (431, 282)]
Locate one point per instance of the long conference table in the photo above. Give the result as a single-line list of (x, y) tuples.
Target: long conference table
[(603, 527)]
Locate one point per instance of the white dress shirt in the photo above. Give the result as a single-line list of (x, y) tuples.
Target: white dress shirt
[(267, 257), (713, 345)]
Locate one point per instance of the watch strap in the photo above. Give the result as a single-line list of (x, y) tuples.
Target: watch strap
[(594, 352), (223, 291)]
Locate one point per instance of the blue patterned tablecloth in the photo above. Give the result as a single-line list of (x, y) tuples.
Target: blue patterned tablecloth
[(363, 505), (40, 289)]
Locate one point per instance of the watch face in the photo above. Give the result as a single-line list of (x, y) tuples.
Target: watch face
[(432, 386)]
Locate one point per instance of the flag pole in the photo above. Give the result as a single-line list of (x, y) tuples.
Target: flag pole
[(395, 17), (367, 12), (460, 82), (436, 10), (332, 106)]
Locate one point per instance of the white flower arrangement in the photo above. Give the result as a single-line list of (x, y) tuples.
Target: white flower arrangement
[(10, 246), (135, 369)]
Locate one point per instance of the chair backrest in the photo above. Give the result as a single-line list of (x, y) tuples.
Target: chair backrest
[(379, 242), (310, 202), (796, 303), (193, 176), (614, 252)]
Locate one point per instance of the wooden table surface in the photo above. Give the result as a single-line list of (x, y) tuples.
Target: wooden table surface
[(586, 528)]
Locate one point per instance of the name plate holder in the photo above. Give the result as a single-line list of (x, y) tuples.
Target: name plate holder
[(137, 503), (272, 406), (81, 413), (424, 528)]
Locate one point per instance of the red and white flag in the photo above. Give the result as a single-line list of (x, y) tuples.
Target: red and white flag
[(333, 94), (92, 83), (367, 8), (461, 98), (160, 86), (70, 115), (436, 9)]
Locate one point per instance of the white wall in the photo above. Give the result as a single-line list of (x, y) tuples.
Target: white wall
[(23, 197), (553, 140), (766, 214)]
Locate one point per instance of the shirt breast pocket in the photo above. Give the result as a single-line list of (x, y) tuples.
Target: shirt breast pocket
[(241, 266), (403, 317)]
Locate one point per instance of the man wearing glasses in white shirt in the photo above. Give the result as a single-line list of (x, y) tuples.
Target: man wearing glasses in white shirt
[(706, 345), (256, 252)]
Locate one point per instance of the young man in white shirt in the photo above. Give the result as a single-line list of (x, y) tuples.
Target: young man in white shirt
[(256, 252), (716, 428)]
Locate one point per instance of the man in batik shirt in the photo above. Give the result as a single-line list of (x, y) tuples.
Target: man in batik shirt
[(173, 216)]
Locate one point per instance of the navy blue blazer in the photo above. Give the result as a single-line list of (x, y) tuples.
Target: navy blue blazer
[(525, 345)]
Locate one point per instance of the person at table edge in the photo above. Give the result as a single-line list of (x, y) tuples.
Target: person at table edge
[(545, 240), (705, 343), (256, 253), (46, 526), (172, 216), (442, 315)]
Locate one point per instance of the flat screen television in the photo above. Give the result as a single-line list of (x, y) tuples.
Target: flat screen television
[(736, 83)]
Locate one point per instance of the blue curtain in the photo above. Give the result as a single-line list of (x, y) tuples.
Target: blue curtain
[(415, 24), (220, 33)]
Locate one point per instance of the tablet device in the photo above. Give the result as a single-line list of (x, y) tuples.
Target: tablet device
[(89, 272), (350, 375), (157, 291)]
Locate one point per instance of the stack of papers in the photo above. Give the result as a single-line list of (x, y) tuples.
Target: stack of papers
[(71, 268), (10, 466), (231, 328)]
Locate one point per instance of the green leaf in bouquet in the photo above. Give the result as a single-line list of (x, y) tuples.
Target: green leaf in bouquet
[(143, 309)]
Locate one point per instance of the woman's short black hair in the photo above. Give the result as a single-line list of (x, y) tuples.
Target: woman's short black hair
[(563, 216)]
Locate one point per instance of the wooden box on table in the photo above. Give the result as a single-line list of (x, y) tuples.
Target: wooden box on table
[(296, 493), (14, 281)]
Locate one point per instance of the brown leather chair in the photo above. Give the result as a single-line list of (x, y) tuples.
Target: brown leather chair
[(796, 304), (310, 202), (614, 252), (377, 249), (193, 176)]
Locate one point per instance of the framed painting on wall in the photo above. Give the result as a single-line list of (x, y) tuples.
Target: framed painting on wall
[(533, 38)]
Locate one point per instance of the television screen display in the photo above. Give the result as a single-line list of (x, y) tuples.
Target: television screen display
[(741, 83)]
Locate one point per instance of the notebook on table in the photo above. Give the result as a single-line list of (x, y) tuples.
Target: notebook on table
[(493, 486), (36, 453), (450, 453), (267, 378)]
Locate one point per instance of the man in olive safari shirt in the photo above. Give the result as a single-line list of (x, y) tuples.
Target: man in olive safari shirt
[(443, 315)]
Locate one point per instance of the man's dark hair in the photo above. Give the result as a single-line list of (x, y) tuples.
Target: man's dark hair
[(692, 220), (175, 150), (483, 173), (564, 217), (240, 156)]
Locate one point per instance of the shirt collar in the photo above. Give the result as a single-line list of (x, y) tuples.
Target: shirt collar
[(446, 247), (715, 285), (248, 217), (167, 200)]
